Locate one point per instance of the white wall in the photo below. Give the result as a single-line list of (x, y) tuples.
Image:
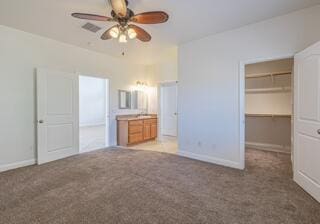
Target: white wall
[(209, 120), (278, 103), (273, 134), (21, 53), (165, 70), (92, 101)]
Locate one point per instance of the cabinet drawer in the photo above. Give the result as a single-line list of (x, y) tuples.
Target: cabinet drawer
[(135, 138), (134, 129), (139, 122), (150, 121)]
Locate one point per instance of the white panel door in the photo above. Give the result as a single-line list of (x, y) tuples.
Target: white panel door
[(57, 115), (307, 120), (169, 109)]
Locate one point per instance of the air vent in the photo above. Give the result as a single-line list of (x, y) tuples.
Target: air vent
[(91, 27)]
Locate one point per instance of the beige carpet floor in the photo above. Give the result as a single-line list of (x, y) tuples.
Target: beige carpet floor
[(129, 186)]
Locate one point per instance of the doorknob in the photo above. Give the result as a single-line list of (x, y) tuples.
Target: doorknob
[(41, 121), (319, 131)]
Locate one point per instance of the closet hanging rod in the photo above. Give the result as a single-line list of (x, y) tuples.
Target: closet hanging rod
[(268, 115), (250, 76), (270, 90)]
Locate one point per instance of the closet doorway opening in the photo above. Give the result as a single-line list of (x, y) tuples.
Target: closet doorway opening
[(268, 110), (93, 113)]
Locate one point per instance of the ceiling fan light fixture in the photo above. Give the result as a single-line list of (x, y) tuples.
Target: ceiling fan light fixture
[(114, 32), (132, 33), (123, 38), (124, 17)]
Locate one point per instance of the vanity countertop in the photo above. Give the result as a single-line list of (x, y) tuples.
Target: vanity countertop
[(134, 117)]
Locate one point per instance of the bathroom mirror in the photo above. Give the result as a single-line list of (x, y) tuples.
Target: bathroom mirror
[(124, 99), (139, 100)]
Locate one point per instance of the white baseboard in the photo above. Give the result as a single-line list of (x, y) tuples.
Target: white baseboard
[(16, 165), (210, 159), (92, 124), (268, 147)]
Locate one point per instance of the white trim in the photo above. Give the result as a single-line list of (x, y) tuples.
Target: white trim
[(242, 99), (16, 165), (107, 113), (269, 147), (242, 114), (210, 159)]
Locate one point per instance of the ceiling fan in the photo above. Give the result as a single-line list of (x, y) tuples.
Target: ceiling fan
[(124, 16)]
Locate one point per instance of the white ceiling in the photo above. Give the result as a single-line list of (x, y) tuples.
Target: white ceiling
[(189, 19)]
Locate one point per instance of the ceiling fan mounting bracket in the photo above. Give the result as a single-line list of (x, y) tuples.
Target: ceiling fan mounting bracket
[(123, 21)]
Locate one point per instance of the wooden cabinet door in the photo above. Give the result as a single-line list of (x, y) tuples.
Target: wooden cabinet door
[(153, 130), (135, 138), (146, 132)]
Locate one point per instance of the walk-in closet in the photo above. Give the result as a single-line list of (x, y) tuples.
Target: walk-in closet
[(269, 105)]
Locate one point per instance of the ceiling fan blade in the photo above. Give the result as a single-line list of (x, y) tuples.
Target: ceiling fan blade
[(141, 33), (119, 7), (150, 17), (106, 35), (91, 17)]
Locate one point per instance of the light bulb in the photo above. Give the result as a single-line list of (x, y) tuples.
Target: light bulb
[(123, 38), (114, 32), (132, 33)]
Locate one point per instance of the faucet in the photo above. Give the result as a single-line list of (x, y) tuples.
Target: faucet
[(142, 113)]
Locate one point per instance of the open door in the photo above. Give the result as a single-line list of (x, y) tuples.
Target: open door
[(307, 120), (57, 115)]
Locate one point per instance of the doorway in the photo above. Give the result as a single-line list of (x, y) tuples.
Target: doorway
[(267, 94), (168, 115), (268, 117), (162, 99), (269, 105), (93, 113), (304, 117), (168, 109)]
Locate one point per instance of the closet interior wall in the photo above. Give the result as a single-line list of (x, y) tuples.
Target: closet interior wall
[(269, 105)]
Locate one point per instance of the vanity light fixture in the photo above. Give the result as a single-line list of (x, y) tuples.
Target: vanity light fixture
[(142, 86)]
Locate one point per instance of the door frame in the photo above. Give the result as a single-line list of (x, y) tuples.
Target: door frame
[(242, 102), (160, 85)]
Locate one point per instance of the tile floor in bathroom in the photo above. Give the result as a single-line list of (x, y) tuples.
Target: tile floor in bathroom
[(93, 138)]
